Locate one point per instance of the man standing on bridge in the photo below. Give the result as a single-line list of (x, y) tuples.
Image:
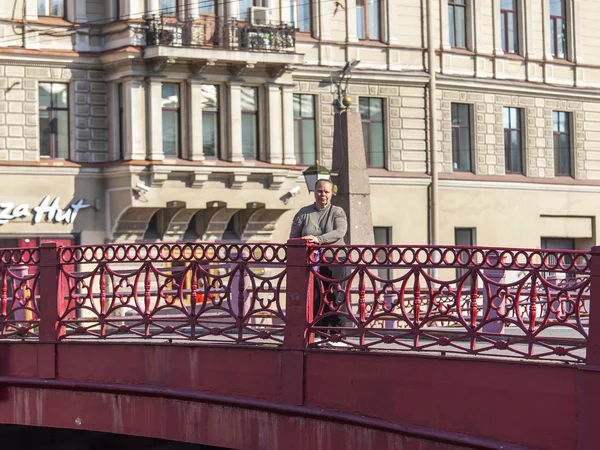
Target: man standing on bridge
[(324, 223)]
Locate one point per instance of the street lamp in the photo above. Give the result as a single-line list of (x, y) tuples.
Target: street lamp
[(314, 173)]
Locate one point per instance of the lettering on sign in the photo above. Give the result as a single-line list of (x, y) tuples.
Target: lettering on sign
[(46, 211)]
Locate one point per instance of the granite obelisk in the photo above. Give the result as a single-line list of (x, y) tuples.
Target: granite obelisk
[(349, 162)]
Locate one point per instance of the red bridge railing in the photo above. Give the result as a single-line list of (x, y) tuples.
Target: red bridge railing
[(523, 303)]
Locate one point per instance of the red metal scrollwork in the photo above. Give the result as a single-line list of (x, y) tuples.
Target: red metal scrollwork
[(531, 304)]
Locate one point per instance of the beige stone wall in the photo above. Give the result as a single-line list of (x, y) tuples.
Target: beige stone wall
[(488, 132), (404, 118), (19, 127)]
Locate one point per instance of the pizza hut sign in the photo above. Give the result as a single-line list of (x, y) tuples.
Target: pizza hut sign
[(46, 211)]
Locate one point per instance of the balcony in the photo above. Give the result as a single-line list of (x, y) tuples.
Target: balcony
[(220, 39)]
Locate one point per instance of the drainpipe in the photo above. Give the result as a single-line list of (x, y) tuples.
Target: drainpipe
[(434, 192)]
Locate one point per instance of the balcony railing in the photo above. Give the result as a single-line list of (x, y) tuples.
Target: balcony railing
[(220, 33)]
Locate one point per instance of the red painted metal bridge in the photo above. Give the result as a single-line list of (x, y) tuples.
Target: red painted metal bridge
[(218, 344)]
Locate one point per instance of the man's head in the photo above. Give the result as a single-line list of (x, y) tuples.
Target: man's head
[(323, 193)]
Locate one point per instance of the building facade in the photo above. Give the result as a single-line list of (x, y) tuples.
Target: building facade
[(170, 120)]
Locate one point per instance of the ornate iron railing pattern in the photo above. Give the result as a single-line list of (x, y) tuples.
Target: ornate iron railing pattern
[(198, 292), (530, 304), (220, 32), (19, 293), (524, 303)]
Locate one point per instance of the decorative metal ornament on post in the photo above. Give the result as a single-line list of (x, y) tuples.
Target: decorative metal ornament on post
[(343, 99), (314, 173)]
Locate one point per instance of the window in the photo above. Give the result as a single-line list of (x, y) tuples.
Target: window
[(383, 236), (120, 125), (561, 131), (167, 7), (210, 120), (368, 17), (54, 120), (509, 26), (170, 119), (249, 122), (457, 23), (558, 28), (464, 237), (300, 12), (51, 8), (557, 244), (305, 137), (461, 137), (371, 114), (513, 140)]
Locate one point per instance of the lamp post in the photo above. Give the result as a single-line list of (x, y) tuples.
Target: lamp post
[(314, 173)]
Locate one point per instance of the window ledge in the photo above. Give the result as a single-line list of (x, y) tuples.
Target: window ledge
[(54, 21), (459, 51), (514, 56)]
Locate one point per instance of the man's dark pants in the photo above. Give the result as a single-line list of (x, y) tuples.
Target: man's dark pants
[(334, 298)]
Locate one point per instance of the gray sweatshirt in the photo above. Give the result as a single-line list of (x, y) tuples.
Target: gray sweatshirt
[(312, 221)]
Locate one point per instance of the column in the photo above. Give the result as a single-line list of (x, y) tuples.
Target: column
[(153, 8), (274, 124), (234, 116), (30, 10), (154, 108), (391, 13), (196, 151), (133, 9), (289, 157), (546, 30), (31, 37), (271, 4), (445, 37), (80, 11), (350, 21), (113, 122), (233, 9), (82, 38), (285, 13), (475, 30), (323, 24), (496, 20), (193, 9), (576, 32), (134, 112)]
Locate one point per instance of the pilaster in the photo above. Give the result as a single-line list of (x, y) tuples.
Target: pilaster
[(133, 9), (134, 139), (350, 21), (288, 124), (275, 124), (391, 12), (153, 8), (154, 108), (196, 150), (234, 116), (193, 9)]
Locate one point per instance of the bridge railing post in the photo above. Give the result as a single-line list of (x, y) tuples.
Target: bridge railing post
[(297, 313), (593, 346), (299, 292), (49, 292)]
